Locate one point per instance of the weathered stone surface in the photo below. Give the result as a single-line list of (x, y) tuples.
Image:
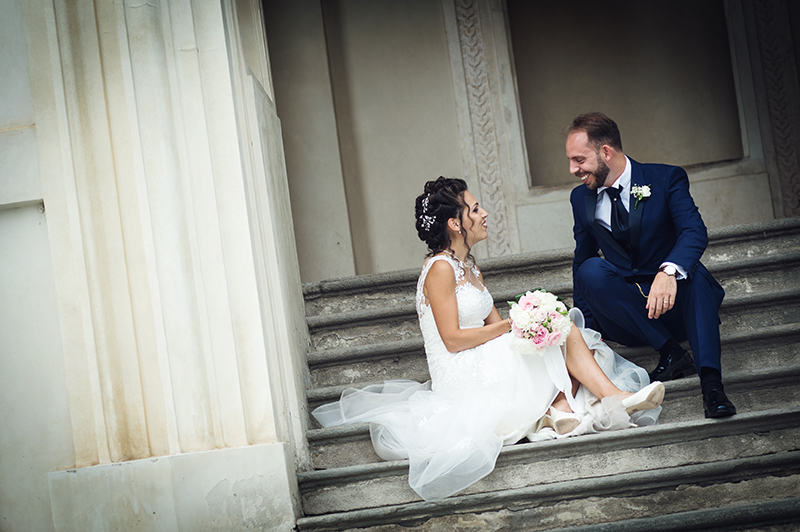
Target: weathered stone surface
[(597, 510), (528, 468), (411, 366)]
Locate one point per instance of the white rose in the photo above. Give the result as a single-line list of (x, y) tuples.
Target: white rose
[(548, 300), (525, 346), (519, 316)]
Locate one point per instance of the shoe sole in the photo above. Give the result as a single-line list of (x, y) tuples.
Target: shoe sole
[(725, 414), (564, 426), (653, 400)]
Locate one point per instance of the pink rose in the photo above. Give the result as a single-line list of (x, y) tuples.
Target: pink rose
[(529, 301), (540, 338), (554, 338)]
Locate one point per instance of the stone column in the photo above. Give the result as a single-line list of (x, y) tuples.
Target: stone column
[(176, 277)]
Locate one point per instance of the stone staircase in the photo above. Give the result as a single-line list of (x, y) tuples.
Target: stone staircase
[(688, 473)]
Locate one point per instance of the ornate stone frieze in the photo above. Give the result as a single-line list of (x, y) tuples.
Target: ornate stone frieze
[(781, 100), (485, 142)]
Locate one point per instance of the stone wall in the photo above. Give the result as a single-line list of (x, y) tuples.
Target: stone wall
[(36, 435), (696, 99)]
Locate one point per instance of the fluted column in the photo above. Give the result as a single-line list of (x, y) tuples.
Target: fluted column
[(178, 289)]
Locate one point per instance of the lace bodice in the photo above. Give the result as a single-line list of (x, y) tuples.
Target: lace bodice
[(474, 305)]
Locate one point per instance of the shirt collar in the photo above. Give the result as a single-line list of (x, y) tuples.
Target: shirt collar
[(623, 181)]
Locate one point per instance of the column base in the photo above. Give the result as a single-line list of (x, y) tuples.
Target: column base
[(246, 488)]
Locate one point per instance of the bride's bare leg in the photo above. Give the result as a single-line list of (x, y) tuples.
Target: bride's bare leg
[(560, 403), (583, 368)]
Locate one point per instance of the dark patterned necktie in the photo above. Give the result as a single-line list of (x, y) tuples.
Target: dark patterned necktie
[(619, 217)]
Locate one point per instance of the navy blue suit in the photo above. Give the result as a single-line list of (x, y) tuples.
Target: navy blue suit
[(666, 227)]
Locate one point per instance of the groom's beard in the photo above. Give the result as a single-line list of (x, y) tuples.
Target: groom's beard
[(597, 178)]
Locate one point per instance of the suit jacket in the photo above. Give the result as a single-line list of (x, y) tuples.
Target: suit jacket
[(665, 227)]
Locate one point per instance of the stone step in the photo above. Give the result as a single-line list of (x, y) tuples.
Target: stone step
[(763, 283), (772, 515), (739, 473), (627, 464), (751, 391), (405, 359), (730, 248), (333, 371), (739, 277), (780, 515), (550, 269)]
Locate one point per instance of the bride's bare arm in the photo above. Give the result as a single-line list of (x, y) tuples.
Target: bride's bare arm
[(440, 291), (494, 315)]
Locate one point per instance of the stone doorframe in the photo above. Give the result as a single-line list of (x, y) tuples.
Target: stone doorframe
[(776, 78), (490, 127)]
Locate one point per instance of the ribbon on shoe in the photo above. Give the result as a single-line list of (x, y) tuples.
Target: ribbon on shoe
[(624, 374), (608, 413)]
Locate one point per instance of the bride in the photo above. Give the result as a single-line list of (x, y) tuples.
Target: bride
[(483, 392)]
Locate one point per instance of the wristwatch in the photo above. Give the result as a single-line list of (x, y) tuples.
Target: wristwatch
[(669, 269)]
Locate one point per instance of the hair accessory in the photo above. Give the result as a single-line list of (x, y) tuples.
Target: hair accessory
[(426, 219)]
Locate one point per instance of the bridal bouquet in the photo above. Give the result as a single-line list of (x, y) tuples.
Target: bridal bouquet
[(538, 320)]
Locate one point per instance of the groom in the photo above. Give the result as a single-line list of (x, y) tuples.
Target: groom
[(650, 287)]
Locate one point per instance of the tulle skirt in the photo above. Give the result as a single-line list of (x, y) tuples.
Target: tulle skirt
[(492, 396)]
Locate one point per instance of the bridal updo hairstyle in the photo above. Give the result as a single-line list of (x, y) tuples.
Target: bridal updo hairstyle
[(443, 199)]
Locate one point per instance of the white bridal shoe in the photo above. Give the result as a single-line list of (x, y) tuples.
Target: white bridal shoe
[(645, 399), (562, 422)]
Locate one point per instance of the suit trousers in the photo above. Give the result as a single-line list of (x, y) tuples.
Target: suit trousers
[(619, 309)]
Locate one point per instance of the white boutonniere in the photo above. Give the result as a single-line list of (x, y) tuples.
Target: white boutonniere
[(640, 192)]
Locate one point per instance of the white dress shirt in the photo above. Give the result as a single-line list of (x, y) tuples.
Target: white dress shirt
[(602, 209)]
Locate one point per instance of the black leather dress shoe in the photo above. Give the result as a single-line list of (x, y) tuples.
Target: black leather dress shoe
[(716, 403), (676, 366)]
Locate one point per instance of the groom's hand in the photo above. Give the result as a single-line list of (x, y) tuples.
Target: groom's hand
[(662, 295)]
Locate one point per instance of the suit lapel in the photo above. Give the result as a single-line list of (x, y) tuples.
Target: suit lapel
[(591, 203), (599, 230), (635, 218)]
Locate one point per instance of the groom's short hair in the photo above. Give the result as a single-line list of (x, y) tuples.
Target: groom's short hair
[(599, 128)]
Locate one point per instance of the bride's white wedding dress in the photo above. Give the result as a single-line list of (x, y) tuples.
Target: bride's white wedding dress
[(451, 429)]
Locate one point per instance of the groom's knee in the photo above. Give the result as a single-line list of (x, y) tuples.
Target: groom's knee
[(595, 273)]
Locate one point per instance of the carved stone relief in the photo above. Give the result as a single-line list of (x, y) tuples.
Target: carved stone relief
[(779, 71), (484, 133)]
